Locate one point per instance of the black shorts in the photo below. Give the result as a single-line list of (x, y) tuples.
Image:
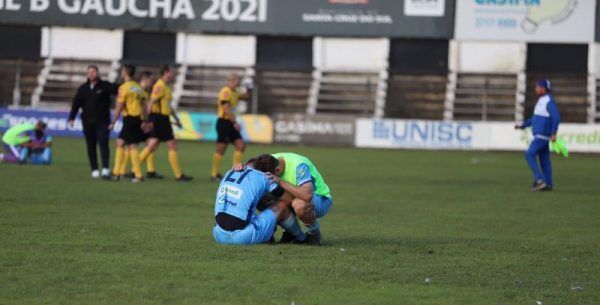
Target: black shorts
[(226, 132), (161, 129), (132, 132)]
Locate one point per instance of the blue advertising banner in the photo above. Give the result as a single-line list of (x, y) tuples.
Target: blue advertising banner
[(197, 126), (57, 122)]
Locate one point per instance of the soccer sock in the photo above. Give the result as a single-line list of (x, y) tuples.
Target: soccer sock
[(313, 228), (118, 159), (125, 162), (216, 165), (237, 157), (150, 163), (135, 163), (293, 227), (144, 155), (174, 161)]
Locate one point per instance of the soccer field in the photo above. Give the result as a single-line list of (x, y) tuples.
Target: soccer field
[(407, 227)]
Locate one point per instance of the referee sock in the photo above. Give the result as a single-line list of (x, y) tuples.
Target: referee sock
[(118, 160), (135, 163), (174, 161), (125, 162), (216, 165), (237, 157), (144, 155), (293, 227), (150, 164)]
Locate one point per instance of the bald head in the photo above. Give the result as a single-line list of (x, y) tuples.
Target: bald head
[(233, 80)]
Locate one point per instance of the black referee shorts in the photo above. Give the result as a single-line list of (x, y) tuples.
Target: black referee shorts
[(226, 132), (162, 129), (132, 132)]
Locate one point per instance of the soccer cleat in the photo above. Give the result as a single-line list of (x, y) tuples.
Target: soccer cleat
[(538, 186), (115, 178), (548, 188), (287, 238), (154, 175), (105, 173), (136, 180), (184, 178), (95, 174), (216, 178), (314, 239)]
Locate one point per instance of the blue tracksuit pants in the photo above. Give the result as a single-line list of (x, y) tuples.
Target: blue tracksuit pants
[(539, 149)]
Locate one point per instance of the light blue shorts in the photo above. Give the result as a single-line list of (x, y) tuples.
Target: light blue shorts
[(322, 205), (259, 231)]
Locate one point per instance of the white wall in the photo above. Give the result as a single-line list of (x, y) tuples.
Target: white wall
[(60, 42), (351, 54), (215, 50), (491, 57)]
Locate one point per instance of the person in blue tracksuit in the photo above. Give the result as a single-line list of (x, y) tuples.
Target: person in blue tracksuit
[(544, 125)]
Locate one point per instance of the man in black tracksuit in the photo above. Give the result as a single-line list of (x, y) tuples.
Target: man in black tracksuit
[(94, 100)]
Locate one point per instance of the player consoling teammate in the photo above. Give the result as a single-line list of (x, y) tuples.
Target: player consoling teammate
[(298, 188)]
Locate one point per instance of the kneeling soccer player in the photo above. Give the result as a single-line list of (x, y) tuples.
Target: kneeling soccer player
[(236, 219), (306, 192)]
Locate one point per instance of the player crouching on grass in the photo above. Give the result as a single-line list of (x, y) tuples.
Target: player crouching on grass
[(306, 193), (239, 192), (544, 125), (129, 102), (27, 143)]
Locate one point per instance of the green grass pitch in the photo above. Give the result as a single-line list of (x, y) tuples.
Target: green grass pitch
[(407, 227)]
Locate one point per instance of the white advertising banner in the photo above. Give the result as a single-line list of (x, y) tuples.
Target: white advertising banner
[(451, 135), (526, 20)]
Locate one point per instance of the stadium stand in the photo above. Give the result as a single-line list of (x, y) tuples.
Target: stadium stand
[(283, 91), (283, 83), (19, 79), (201, 85), (485, 97), (418, 79), (348, 92), (59, 79), (569, 77)]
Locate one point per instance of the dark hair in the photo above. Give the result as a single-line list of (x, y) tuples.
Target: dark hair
[(265, 163), (93, 67), (147, 74), (164, 69), (129, 69), (42, 124)]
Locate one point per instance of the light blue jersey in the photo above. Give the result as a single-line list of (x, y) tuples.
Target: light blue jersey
[(238, 195)]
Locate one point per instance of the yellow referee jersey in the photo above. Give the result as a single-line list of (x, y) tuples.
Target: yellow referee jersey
[(132, 96), (164, 94), (227, 95)]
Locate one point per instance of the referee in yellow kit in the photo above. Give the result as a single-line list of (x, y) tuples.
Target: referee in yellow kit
[(160, 110), (228, 129), (129, 102)]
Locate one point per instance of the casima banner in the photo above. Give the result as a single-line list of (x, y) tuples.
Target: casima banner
[(526, 20), (379, 18), (316, 129)]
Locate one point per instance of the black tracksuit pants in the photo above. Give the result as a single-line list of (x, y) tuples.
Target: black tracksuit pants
[(97, 134)]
